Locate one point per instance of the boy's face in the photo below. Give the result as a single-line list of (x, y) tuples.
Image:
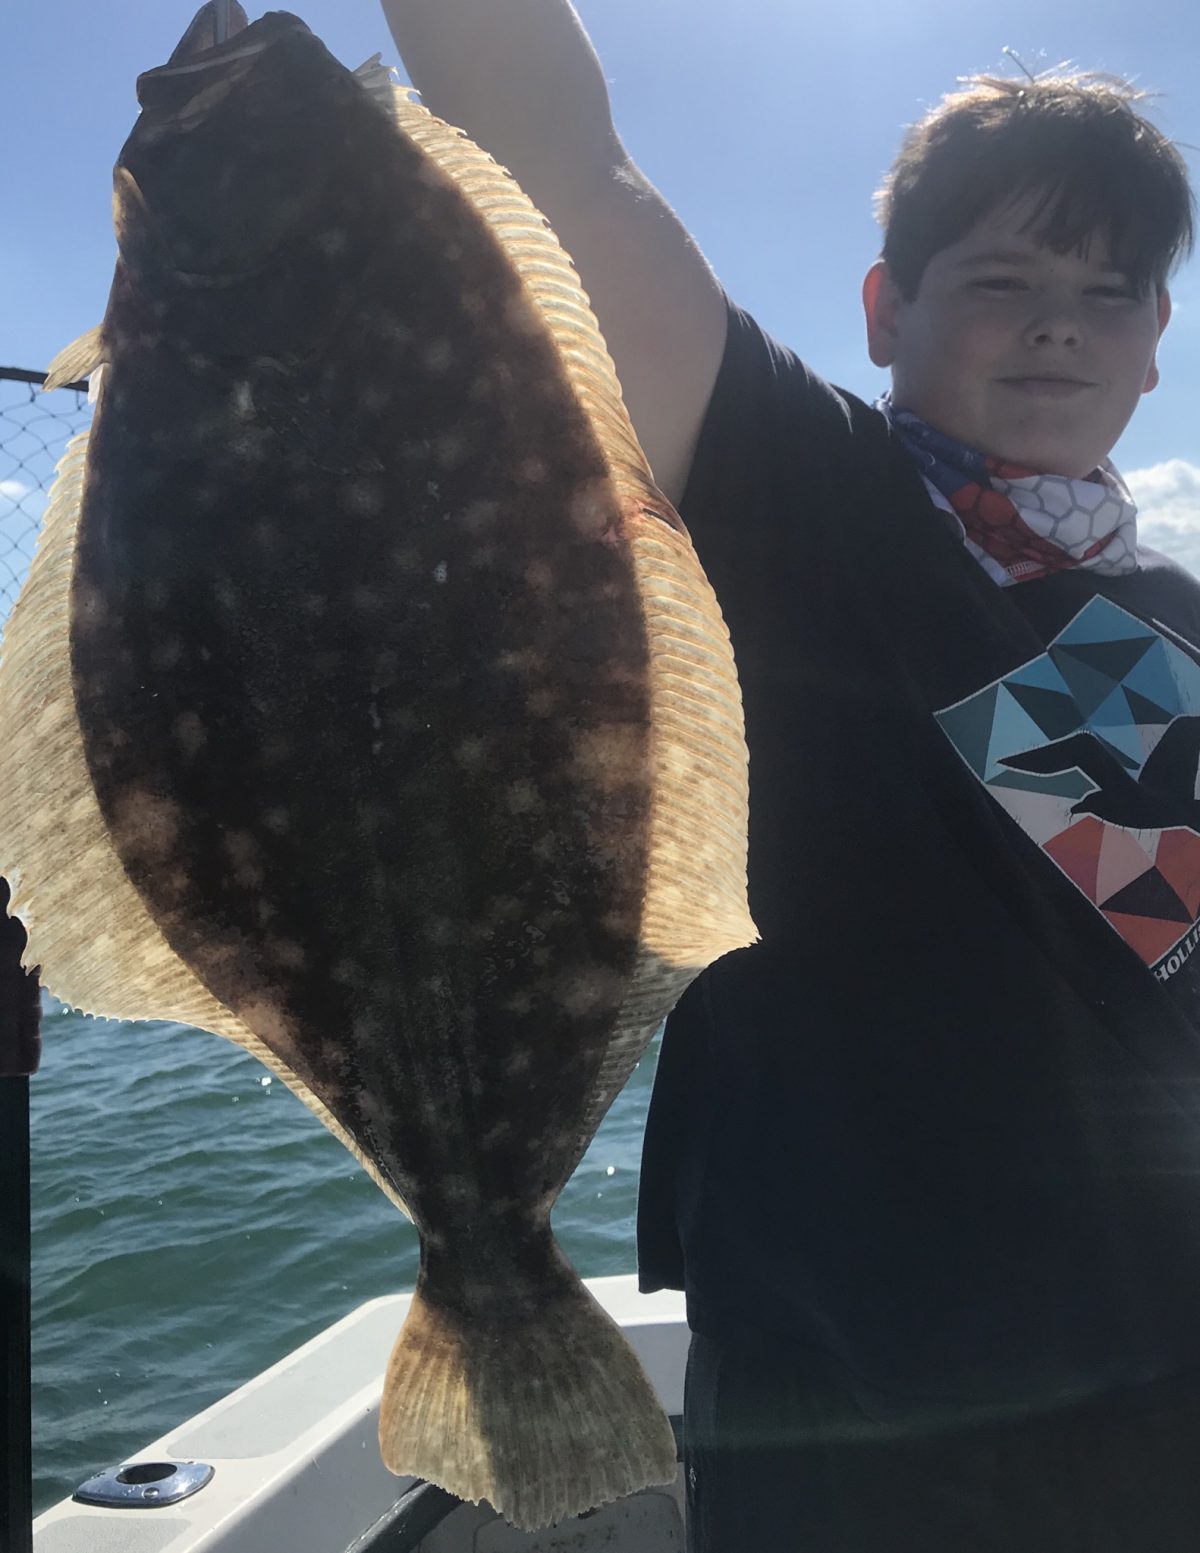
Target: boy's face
[(1035, 357)]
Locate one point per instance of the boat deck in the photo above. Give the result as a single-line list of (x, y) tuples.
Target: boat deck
[(297, 1466)]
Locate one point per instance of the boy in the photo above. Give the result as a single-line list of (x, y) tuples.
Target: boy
[(926, 1159)]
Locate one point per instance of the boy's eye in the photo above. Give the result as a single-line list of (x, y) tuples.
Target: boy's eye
[(1117, 293), (999, 283)]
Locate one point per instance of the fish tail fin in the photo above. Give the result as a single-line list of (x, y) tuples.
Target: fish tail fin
[(530, 1398)]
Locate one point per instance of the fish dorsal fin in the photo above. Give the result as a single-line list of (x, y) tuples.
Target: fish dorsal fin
[(77, 360), (695, 906), (551, 282), (120, 966), (375, 78)]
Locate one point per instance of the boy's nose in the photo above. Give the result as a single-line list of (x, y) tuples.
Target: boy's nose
[(1054, 329)]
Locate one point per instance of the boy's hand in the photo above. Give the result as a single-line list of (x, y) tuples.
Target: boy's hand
[(522, 79)]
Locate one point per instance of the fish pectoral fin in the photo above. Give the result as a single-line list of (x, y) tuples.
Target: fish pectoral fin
[(77, 360)]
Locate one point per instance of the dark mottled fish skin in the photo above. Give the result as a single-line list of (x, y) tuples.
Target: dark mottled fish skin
[(359, 657), (201, 35)]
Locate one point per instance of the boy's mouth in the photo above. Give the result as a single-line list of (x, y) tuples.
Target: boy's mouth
[(1047, 387)]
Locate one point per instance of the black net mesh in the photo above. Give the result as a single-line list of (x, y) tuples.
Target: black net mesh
[(35, 428)]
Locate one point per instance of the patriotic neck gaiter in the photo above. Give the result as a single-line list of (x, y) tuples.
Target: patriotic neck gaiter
[(1018, 524)]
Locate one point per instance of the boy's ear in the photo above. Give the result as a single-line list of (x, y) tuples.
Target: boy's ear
[(1164, 317), (881, 300)]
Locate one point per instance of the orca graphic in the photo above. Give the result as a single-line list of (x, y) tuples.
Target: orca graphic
[(1161, 797)]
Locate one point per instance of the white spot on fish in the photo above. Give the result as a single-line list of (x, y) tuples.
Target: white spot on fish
[(440, 572), (439, 355), (188, 732), (166, 655), (285, 953), (366, 1027), (591, 510), (243, 400), (522, 797), (451, 450), (363, 496), (478, 515), (146, 822), (532, 470), (245, 857), (432, 488), (332, 241), (471, 752), (265, 1020), (90, 609), (277, 820)]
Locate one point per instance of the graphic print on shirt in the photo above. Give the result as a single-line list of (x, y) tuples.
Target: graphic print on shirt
[(1093, 747)]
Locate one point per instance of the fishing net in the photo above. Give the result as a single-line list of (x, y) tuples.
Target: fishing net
[(34, 430)]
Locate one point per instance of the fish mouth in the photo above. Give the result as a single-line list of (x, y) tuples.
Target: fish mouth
[(202, 70)]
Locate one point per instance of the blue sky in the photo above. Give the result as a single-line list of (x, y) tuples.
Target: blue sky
[(767, 124)]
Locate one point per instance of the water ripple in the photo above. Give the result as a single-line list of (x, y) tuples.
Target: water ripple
[(192, 1224)]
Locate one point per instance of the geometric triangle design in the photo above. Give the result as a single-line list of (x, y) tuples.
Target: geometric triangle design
[(1100, 620), (1143, 710), (1113, 712), (1178, 861), (1121, 862), (1113, 738), (1146, 936), (1152, 678), (1126, 743), (1077, 853), (1150, 895), (1040, 673), (1062, 784), (1012, 730), (1109, 688), (1088, 685), (968, 726), (1055, 714), (1112, 659)]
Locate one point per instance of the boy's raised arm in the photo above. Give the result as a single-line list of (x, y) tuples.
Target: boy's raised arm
[(522, 78)]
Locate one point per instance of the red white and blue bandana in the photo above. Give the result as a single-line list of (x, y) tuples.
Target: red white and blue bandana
[(1017, 523)]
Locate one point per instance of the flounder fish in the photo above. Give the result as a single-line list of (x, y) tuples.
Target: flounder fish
[(366, 704)]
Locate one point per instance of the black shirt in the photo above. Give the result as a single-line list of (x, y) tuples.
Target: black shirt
[(943, 1122)]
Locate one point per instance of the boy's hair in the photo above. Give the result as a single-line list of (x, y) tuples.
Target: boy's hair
[(1071, 142)]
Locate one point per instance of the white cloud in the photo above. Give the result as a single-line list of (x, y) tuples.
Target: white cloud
[(14, 489), (1168, 498)]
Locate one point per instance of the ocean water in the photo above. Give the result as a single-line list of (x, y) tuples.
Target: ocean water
[(193, 1223)]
